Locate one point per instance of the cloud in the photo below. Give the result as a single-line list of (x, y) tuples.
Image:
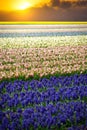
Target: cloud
[(65, 4), (59, 4), (68, 4), (55, 3), (81, 3)]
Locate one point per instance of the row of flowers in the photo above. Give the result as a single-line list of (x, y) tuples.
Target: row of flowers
[(38, 42), (42, 61), (55, 103)]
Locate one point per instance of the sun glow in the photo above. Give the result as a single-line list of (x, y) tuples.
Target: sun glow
[(24, 6)]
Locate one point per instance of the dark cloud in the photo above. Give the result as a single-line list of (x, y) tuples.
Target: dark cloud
[(81, 3), (58, 3), (65, 4), (55, 3), (68, 4)]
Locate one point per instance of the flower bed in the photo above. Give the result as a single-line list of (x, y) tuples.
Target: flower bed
[(58, 103), (42, 61)]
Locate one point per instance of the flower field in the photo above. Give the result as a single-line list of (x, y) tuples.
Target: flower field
[(25, 62), (55, 103), (43, 81)]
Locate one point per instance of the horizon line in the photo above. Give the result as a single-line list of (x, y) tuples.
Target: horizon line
[(43, 22)]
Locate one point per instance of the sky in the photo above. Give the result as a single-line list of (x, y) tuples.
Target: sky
[(43, 10)]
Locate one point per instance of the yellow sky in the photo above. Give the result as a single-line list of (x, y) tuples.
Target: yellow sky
[(9, 5)]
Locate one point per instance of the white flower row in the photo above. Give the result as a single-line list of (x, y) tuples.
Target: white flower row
[(17, 42)]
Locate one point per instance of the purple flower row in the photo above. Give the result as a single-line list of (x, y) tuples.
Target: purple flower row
[(45, 103)]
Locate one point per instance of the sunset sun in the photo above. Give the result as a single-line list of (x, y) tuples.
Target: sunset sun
[(24, 6)]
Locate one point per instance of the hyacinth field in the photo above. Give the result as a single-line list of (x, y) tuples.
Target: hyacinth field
[(43, 77)]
